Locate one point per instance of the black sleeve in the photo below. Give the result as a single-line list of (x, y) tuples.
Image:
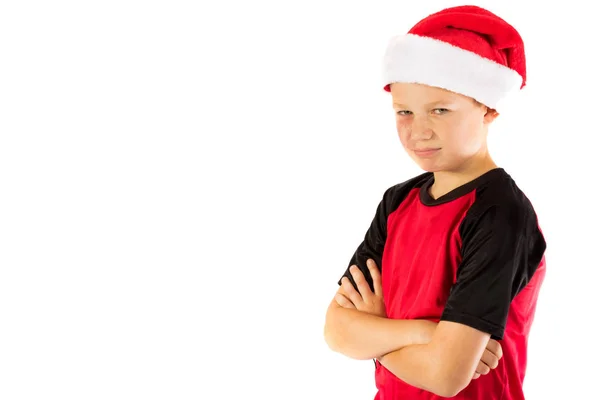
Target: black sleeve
[(373, 242), (502, 246)]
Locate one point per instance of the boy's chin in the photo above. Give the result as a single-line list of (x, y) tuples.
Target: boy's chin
[(429, 167)]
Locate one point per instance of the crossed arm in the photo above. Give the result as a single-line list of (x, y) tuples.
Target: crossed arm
[(363, 336), (441, 358)]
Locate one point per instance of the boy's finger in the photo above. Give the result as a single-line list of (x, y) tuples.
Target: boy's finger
[(482, 368), (376, 276), (361, 282), (495, 347), (490, 359), (351, 293), (343, 301)]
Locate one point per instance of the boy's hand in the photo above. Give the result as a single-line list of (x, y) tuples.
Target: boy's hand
[(366, 300), (490, 358)]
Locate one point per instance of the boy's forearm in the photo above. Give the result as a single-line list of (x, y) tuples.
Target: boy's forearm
[(421, 366), (415, 365), (364, 336)]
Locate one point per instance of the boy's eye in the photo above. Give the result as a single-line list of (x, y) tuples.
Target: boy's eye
[(403, 112), (440, 111)]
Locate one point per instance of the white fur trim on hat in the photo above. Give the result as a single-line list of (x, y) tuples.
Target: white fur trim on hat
[(418, 59)]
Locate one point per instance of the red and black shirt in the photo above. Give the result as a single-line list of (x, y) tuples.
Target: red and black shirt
[(474, 256)]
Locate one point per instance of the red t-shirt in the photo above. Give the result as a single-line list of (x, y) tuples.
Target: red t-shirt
[(473, 256)]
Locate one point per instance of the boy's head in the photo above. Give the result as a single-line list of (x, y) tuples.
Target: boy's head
[(465, 57), (454, 125)]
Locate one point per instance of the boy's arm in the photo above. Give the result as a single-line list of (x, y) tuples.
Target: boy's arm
[(361, 335), (444, 366), (364, 336)]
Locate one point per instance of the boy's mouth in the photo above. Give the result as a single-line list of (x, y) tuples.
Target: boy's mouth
[(426, 152)]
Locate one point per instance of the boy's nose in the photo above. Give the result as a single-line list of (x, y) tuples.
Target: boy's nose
[(420, 129)]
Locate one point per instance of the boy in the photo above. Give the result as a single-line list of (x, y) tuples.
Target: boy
[(442, 290)]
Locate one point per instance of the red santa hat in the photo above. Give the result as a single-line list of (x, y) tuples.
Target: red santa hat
[(466, 49)]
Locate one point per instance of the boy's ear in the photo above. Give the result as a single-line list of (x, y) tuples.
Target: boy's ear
[(490, 115)]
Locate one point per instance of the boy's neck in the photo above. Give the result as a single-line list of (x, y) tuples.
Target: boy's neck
[(446, 181)]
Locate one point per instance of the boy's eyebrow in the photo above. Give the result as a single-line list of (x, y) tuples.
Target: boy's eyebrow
[(433, 103)]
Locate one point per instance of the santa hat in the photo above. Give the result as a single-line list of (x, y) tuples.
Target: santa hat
[(466, 49)]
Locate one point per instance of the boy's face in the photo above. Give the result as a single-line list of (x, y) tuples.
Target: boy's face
[(451, 124)]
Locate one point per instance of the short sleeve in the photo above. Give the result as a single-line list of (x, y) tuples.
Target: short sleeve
[(373, 242), (502, 247)]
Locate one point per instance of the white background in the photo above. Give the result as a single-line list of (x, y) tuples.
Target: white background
[(182, 184)]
